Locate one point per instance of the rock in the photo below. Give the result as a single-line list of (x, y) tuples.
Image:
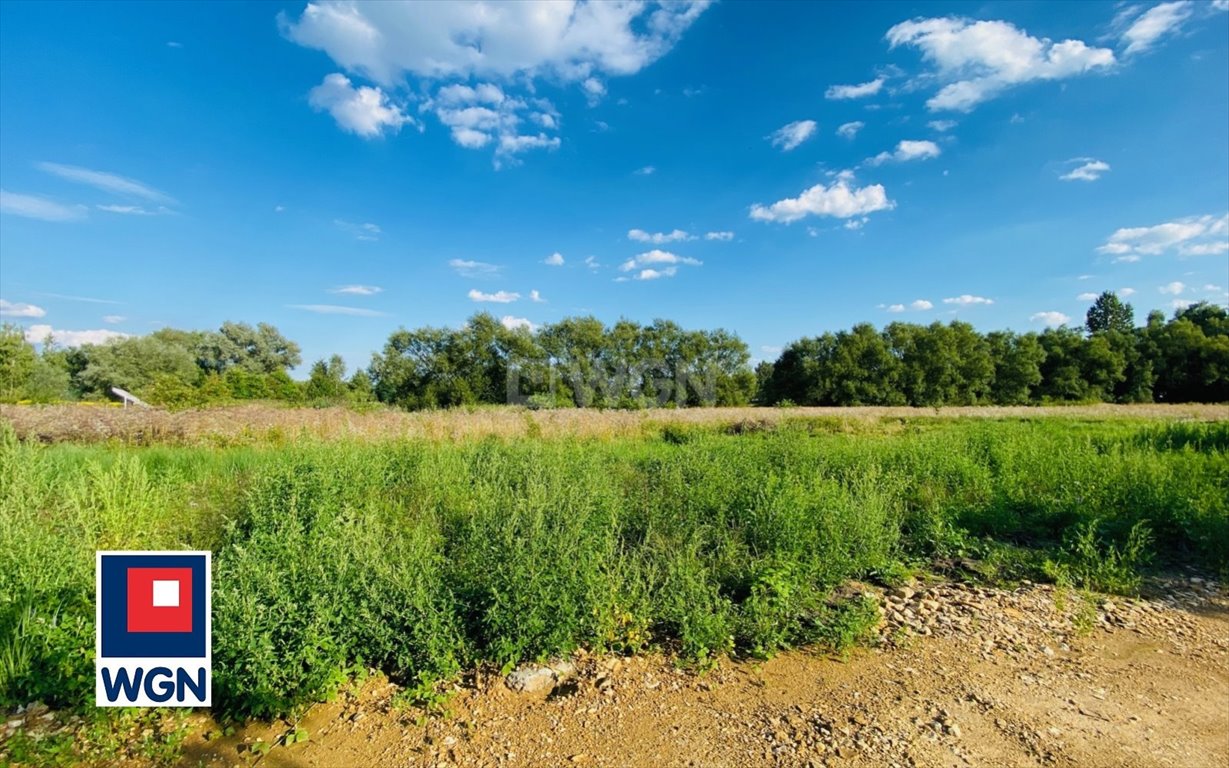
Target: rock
[(904, 593), (531, 679)]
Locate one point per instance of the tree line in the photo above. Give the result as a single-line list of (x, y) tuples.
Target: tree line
[(581, 362)]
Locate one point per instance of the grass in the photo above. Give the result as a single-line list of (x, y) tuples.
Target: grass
[(424, 557)]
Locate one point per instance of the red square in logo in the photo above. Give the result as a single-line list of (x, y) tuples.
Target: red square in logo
[(159, 599)]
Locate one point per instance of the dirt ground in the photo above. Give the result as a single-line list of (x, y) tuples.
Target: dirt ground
[(238, 424), (961, 676)]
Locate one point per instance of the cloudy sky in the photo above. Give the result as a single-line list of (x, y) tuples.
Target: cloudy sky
[(340, 169)]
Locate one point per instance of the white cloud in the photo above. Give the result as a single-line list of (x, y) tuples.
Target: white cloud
[(647, 170), (966, 300), (591, 262), (134, 210), (106, 182), (906, 151), (460, 40), (1206, 249), (1089, 169), (37, 334), (594, 90), (921, 304), (1125, 292), (849, 130), (654, 274), (1182, 303), (499, 297), (85, 299), (18, 309), (839, 200), (942, 126), (854, 91), (657, 238), (1209, 287), (1052, 319), (34, 207), (1191, 236), (1087, 296), (536, 297), (852, 224), (1173, 288), (896, 308), (977, 60), (467, 268), (357, 290), (554, 260), (465, 40), (657, 256), (513, 323), (790, 136), (333, 309), (113, 319), (722, 236), (1155, 23), (365, 231), (364, 111)]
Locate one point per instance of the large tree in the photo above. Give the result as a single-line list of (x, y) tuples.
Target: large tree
[(1109, 313)]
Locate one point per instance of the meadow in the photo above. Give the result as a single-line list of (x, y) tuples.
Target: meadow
[(422, 557)]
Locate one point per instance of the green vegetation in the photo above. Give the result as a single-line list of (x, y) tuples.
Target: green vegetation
[(422, 558), (579, 362)]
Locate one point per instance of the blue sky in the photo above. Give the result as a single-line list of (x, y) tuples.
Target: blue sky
[(778, 169)]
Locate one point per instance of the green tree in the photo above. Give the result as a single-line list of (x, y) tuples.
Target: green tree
[(327, 381), (1109, 313), (1017, 366), (17, 362)]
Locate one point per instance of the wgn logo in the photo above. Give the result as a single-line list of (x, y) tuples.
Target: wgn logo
[(153, 629)]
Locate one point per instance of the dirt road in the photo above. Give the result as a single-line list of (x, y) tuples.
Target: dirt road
[(962, 676)]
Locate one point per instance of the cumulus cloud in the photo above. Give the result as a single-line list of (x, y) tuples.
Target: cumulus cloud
[(978, 60), (967, 300), (113, 319), (19, 309), (513, 323), (457, 42), (1088, 169), (365, 111), (906, 151), (1052, 319), (37, 334), (917, 305), (921, 304), (468, 268), (1174, 288), (499, 297), (536, 297), (789, 136), (849, 130), (654, 274), (554, 260), (333, 309), (658, 257), (859, 91), (942, 126), (722, 236), (1155, 23), (657, 238), (1125, 292), (1087, 296), (461, 40), (106, 182), (34, 207), (841, 200), (357, 290), (1190, 236)]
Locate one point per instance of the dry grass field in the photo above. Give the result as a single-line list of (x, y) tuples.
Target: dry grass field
[(264, 422)]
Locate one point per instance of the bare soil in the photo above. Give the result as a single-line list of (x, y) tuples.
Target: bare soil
[(85, 422), (960, 676)]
